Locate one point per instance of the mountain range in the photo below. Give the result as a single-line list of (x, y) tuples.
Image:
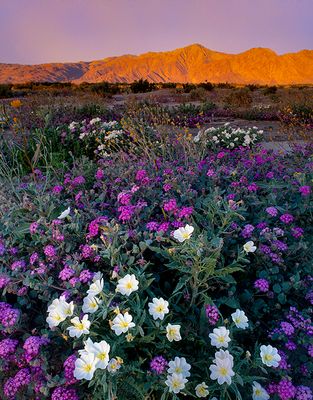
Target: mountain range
[(194, 64)]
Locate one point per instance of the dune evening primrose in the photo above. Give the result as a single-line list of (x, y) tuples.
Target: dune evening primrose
[(269, 356), (249, 247), (222, 367), (58, 311), (91, 304), (173, 333), (175, 383), (65, 213), (183, 233), (127, 285), (113, 365), (158, 308), (179, 366), (100, 350), (79, 327), (122, 323), (96, 287), (259, 393), (220, 337), (240, 319), (85, 367), (202, 390)]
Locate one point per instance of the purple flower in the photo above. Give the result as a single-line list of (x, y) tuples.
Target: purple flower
[(212, 314), (286, 218), (272, 211), (64, 393), (158, 365), (297, 232), (69, 366), (287, 328), (85, 276), (304, 393), (170, 205), (262, 285), (50, 251), (247, 231), (7, 347), (305, 190), (286, 390), (32, 346)]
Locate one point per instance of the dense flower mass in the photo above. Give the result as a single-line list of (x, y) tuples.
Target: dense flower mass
[(180, 271)]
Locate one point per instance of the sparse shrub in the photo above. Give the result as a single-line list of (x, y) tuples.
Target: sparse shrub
[(142, 86), (199, 94), (207, 86), (5, 91), (239, 98), (270, 90)]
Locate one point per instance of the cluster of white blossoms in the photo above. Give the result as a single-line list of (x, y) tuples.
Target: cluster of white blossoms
[(229, 137), (178, 372), (58, 311), (222, 367)]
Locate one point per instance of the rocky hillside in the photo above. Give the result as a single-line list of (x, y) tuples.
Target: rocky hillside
[(193, 63)]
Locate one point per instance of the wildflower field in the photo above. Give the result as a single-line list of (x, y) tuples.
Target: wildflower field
[(141, 260)]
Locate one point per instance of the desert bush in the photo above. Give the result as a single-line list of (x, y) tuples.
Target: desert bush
[(239, 98), (142, 86), (199, 94), (270, 90)]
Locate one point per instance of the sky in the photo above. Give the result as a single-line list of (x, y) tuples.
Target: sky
[(38, 31)]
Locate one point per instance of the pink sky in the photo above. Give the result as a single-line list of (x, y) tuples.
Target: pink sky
[(36, 31)]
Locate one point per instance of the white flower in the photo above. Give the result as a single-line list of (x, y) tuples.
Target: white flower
[(91, 304), (173, 332), (221, 370), (224, 355), (259, 393), (96, 287), (65, 213), (79, 327), (270, 356), (202, 390), (249, 247), (100, 350), (58, 311), (127, 285), (179, 366), (158, 308), (240, 319), (85, 367), (175, 382), (122, 323), (54, 318), (183, 233), (113, 365), (220, 337)]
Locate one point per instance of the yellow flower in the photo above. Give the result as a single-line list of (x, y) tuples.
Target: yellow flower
[(16, 103)]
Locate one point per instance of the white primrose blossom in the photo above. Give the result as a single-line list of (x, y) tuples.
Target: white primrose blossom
[(91, 304), (122, 323), (97, 285), (173, 333), (269, 356), (127, 285), (65, 213), (183, 233), (220, 337), (175, 383), (202, 390), (179, 366), (158, 308), (113, 365), (79, 327), (259, 393), (249, 247), (85, 367), (240, 319)]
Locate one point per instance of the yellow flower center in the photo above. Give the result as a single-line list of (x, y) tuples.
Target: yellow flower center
[(186, 235), (258, 392), (178, 370), (223, 371), (102, 356), (80, 326), (172, 332), (124, 324), (221, 339), (87, 368), (268, 357), (129, 285), (160, 308), (175, 384)]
